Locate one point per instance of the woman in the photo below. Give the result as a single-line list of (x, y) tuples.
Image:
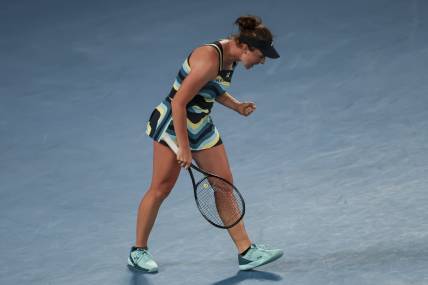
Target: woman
[(184, 115)]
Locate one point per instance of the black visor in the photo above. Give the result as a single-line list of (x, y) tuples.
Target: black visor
[(266, 47)]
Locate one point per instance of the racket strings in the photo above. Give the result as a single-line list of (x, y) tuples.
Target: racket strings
[(219, 202)]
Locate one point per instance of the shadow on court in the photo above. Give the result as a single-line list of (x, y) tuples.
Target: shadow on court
[(138, 278), (249, 275)]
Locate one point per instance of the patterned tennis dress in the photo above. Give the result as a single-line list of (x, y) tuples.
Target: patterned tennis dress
[(200, 127)]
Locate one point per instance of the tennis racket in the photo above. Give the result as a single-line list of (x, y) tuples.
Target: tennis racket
[(218, 200)]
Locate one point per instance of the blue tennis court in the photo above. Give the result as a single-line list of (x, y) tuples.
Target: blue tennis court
[(333, 165)]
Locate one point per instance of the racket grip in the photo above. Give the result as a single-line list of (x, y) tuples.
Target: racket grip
[(167, 138)]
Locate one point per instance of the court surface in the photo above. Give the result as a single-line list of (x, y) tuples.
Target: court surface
[(333, 164)]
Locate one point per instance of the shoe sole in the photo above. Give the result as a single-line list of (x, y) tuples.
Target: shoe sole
[(255, 264)]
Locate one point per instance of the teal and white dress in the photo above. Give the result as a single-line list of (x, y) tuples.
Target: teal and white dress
[(200, 127)]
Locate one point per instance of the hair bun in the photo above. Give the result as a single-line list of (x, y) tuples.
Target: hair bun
[(248, 23)]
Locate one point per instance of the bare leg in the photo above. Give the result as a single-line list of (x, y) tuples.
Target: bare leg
[(215, 160), (165, 174)]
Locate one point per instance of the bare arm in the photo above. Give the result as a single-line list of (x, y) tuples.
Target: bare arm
[(229, 101), (204, 67), (243, 108)]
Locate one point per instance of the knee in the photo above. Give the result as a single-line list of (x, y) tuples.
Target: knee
[(161, 190), (228, 177)]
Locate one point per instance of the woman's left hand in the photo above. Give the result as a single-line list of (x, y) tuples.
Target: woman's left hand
[(246, 108)]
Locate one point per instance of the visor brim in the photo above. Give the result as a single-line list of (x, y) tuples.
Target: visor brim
[(270, 52)]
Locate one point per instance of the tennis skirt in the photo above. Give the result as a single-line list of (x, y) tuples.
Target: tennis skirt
[(200, 128)]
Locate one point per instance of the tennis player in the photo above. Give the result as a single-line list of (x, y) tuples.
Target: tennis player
[(185, 115)]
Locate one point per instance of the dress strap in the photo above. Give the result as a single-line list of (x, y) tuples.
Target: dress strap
[(219, 49)]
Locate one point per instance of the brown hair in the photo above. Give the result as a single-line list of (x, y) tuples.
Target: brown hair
[(251, 26)]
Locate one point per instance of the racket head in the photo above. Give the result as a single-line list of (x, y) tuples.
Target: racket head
[(218, 200)]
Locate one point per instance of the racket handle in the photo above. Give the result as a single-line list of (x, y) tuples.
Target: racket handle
[(167, 138)]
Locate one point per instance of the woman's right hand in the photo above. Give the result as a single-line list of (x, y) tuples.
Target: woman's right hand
[(184, 157)]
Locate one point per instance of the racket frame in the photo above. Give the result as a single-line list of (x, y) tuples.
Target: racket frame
[(167, 138)]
